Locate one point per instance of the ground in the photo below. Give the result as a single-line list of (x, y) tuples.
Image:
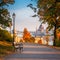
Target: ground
[(35, 52)]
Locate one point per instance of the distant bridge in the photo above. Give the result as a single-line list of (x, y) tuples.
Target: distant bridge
[(21, 33)]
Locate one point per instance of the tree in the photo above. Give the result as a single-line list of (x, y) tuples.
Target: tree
[(48, 10), (6, 2), (26, 34), (5, 19)]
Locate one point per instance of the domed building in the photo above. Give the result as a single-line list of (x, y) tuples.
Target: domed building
[(43, 36), (40, 31)]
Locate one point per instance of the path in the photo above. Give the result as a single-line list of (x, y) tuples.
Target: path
[(35, 52)]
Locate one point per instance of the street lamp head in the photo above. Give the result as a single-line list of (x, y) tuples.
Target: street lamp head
[(13, 15)]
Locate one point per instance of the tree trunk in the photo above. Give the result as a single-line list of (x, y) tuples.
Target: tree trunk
[(54, 43)]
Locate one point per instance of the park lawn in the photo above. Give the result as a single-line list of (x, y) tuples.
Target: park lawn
[(5, 48)]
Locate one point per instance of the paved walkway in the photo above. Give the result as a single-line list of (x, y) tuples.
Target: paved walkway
[(35, 52)]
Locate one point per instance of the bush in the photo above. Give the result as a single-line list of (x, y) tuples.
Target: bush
[(5, 48), (30, 40), (5, 36), (58, 42)]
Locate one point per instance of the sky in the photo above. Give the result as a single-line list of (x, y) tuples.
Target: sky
[(23, 15)]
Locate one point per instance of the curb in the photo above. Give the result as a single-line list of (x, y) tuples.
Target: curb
[(58, 48)]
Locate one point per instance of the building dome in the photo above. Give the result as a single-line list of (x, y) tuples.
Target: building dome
[(40, 31)]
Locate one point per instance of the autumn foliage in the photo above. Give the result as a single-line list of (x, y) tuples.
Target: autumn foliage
[(26, 34)]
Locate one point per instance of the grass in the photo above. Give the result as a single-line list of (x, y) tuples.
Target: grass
[(5, 48)]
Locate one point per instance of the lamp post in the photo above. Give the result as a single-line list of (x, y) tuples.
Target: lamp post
[(13, 16)]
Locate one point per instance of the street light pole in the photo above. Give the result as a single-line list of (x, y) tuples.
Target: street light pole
[(13, 16)]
